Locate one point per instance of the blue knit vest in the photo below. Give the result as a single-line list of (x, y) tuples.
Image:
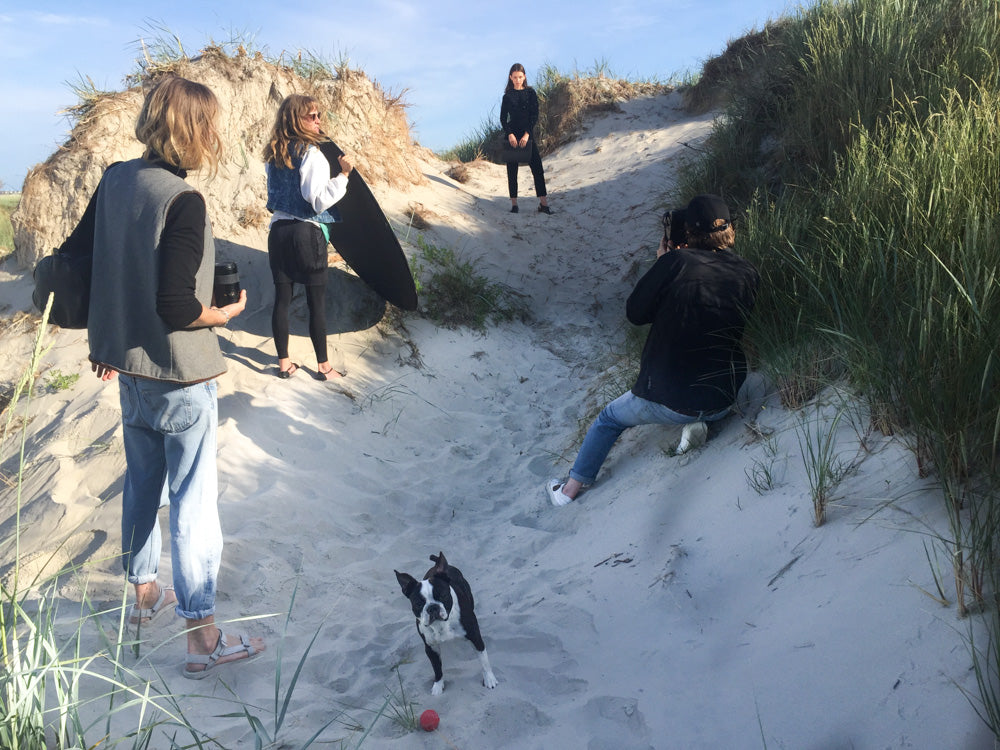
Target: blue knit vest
[(284, 193)]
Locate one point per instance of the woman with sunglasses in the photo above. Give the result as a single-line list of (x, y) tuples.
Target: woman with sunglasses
[(301, 193)]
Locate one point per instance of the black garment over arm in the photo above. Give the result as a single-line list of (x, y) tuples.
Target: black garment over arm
[(81, 240), (644, 301)]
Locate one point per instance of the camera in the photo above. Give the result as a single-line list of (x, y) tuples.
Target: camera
[(226, 289), (674, 229)]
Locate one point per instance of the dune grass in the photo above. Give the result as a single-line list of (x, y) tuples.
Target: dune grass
[(7, 205), (861, 143), (454, 294)]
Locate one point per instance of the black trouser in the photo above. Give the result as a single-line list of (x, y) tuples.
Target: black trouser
[(316, 301), (297, 250), (536, 172)]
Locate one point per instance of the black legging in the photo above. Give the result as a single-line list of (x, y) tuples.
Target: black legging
[(536, 172), (316, 301)]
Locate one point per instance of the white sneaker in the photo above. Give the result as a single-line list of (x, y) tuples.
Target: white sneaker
[(692, 436), (554, 488)]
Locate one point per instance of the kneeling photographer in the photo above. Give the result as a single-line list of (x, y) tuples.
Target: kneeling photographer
[(696, 298)]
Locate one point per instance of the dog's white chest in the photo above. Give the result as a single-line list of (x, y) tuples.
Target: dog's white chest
[(440, 631)]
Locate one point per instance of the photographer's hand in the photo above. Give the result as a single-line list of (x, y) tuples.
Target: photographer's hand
[(664, 247)]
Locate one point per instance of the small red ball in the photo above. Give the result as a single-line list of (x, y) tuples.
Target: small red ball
[(429, 720)]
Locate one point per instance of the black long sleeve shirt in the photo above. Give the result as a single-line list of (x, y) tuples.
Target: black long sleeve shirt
[(519, 111)]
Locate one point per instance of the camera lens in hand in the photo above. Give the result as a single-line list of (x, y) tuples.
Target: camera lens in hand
[(227, 283)]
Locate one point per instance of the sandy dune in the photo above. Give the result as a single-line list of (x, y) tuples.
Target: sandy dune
[(671, 607)]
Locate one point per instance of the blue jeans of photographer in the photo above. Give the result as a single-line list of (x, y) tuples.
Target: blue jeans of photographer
[(628, 410), (170, 443)]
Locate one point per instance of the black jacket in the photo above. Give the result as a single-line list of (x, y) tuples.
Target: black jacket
[(519, 111), (697, 302)]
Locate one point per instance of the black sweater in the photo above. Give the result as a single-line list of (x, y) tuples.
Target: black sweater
[(519, 111), (697, 302), (182, 244)]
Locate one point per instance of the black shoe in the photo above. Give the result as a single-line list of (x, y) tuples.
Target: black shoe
[(513, 209), (544, 209)]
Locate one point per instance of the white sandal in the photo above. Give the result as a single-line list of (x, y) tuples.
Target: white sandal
[(211, 661), (136, 615)]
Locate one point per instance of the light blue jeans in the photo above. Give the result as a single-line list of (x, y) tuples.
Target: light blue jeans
[(170, 439), (628, 410)]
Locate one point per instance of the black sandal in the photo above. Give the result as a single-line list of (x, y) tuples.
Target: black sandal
[(286, 374)]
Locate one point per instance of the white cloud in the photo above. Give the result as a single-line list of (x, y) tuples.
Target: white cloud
[(55, 19)]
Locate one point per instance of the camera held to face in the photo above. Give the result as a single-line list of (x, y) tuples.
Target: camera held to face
[(674, 229)]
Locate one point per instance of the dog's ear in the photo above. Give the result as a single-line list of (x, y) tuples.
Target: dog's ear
[(442, 564), (406, 582)]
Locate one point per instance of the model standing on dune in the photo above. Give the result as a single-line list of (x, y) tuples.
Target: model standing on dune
[(518, 117)]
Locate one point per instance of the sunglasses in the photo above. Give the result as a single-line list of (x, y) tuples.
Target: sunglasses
[(313, 116)]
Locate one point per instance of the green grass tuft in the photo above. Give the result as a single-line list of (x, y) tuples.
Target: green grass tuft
[(860, 152), (7, 205), (453, 294)]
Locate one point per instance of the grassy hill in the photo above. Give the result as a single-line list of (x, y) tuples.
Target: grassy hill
[(861, 141)]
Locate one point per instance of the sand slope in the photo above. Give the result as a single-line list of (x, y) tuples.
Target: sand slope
[(671, 607)]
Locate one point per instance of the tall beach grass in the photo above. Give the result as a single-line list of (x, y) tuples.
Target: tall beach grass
[(861, 144), (84, 679), (8, 203)]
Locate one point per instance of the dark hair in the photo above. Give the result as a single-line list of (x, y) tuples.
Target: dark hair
[(516, 67)]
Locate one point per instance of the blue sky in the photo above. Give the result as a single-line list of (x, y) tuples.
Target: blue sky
[(451, 56)]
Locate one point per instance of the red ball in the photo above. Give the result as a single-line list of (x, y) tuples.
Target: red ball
[(429, 720)]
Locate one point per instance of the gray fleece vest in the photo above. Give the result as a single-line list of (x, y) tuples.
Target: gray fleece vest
[(124, 328)]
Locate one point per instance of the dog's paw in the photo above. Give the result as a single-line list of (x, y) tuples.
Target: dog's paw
[(437, 688), (489, 680)]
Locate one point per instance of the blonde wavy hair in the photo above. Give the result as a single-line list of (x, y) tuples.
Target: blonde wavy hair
[(289, 140), (179, 124)]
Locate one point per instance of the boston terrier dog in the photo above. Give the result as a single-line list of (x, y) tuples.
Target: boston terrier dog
[(443, 605)]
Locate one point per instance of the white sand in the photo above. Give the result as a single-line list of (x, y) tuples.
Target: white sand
[(672, 606)]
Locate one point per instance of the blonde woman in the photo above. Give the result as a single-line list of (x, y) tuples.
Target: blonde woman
[(151, 324), (301, 193)]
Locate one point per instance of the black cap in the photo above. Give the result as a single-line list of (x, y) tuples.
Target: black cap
[(704, 211)]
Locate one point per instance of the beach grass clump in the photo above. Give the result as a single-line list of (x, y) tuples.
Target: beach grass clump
[(7, 205), (453, 293), (50, 678), (823, 466), (57, 380), (860, 147), (74, 681), (478, 142)]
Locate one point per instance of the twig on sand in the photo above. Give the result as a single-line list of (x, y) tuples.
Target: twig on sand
[(784, 570)]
